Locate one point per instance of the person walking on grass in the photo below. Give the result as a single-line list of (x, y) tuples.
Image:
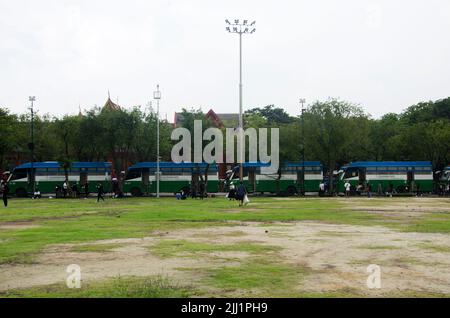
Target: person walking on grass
[(5, 192), (202, 190), (86, 190), (65, 188), (240, 193), (100, 192), (369, 190)]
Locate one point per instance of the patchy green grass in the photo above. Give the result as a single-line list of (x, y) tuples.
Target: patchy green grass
[(431, 223), (121, 287), (257, 276), (81, 221), (78, 221), (173, 248)]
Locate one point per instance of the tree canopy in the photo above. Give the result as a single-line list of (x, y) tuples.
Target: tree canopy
[(335, 132)]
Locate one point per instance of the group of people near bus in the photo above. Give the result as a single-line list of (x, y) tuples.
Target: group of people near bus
[(64, 192), (238, 193), (197, 190), (359, 189)]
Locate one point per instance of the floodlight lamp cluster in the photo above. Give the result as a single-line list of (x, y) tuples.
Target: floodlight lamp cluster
[(242, 28)]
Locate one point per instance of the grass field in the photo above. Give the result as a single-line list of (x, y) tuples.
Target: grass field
[(275, 247)]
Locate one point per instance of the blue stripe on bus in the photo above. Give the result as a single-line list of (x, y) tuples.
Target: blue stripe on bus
[(362, 164), (56, 165)]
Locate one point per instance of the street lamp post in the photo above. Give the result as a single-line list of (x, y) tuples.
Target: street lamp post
[(31, 146), (240, 28), (157, 96), (302, 101)]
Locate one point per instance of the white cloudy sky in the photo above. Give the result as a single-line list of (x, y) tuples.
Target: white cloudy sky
[(384, 55)]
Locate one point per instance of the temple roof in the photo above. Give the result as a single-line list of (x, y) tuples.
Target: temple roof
[(220, 120), (110, 105)]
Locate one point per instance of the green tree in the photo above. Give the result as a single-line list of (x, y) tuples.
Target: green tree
[(333, 132), (273, 115)]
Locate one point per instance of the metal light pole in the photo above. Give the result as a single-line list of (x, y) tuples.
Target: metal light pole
[(31, 146), (157, 96), (240, 28), (302, 101)]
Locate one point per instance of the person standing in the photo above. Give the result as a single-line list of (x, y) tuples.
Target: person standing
[(65, 187), (321, 188), (347, 187), (100, 192), (5, 192), (232, 192), (86, 190), (369, 190), (240, 193), (202, 190)]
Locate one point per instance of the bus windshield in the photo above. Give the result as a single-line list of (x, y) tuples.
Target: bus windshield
[(133, 174), (18, 174), (350, 173)]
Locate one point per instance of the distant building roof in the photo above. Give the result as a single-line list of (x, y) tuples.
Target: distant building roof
[(223, 120), (110, 105)]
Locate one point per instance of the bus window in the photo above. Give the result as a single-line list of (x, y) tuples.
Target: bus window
[(351, 173), (410, 176), (362, 175), (252, 179), (18, 174), (300, 175), (133, 174), (146, 176), (83, 177)]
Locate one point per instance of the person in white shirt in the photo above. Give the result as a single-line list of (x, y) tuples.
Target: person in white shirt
[(347, 187), (321, 188), (65, 187)]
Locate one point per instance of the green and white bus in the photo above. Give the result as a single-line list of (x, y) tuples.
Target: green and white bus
[(290, 180), (388, 176), (49, 174), (141, 178), (174, 177)]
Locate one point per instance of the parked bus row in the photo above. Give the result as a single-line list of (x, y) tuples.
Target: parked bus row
[(292, 178), (51, 175)]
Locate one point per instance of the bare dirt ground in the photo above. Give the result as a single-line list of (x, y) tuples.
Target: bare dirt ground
[(337, 257)]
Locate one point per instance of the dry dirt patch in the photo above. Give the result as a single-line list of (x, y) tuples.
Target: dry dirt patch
[(336, 261)]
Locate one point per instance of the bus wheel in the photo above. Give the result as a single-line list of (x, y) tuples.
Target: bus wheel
[(136, 192), (21, 193), (291, 191)]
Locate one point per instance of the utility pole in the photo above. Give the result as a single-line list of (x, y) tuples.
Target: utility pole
[(31, 145), (157, 96), (302, 101), (240, 28)]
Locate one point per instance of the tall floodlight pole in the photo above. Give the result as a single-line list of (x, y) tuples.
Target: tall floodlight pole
[(157, 96), (31, 146), (240, 28), (302, 101)]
